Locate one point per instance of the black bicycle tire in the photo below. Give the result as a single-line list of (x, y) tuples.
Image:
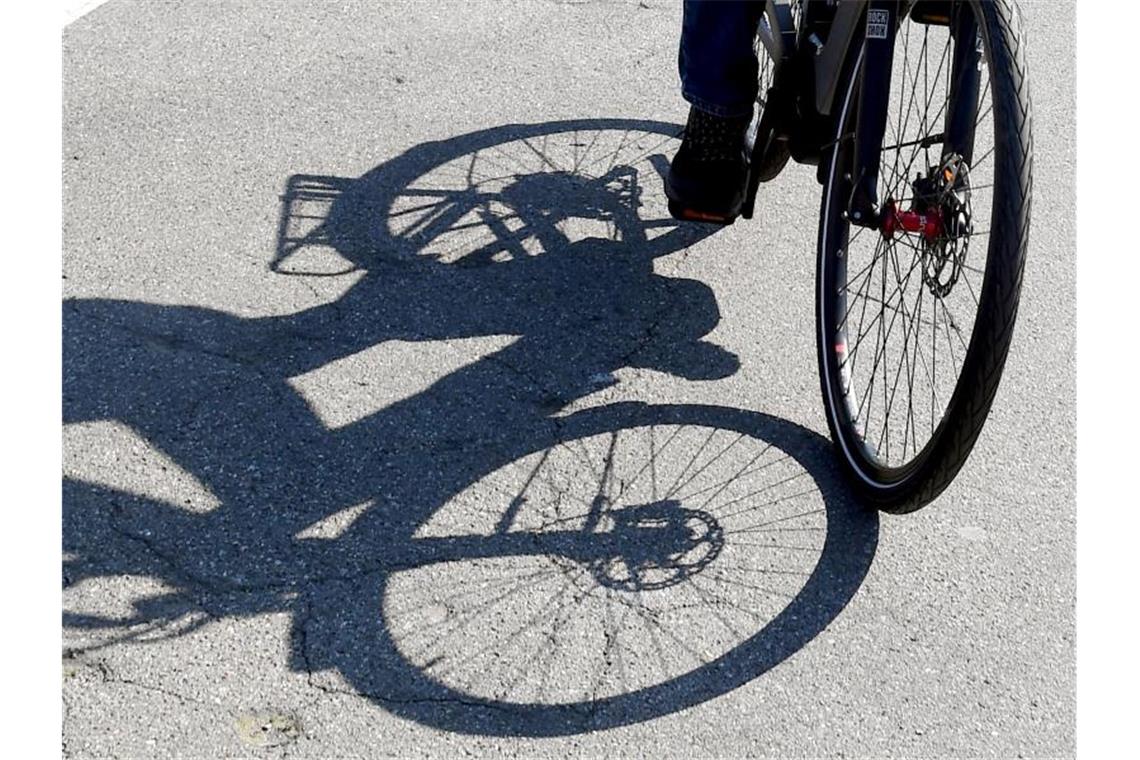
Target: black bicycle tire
[(932, 470)]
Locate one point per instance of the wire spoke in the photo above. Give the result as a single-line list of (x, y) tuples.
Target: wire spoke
[(900, 328)]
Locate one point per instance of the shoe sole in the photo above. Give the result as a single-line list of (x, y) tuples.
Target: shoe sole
[(683, 211), (686, 214)]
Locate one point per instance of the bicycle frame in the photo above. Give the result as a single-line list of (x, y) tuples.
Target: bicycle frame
[(811, 61)]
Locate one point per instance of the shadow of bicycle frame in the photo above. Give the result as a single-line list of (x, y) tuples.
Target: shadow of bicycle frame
[(552, 242)]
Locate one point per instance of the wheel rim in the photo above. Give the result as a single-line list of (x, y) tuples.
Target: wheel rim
[(904, 307)]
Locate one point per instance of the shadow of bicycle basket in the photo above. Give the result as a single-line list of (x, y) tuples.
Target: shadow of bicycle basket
[(516, 559)]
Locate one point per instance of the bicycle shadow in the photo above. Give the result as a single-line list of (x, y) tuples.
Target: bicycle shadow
[(546, 234)]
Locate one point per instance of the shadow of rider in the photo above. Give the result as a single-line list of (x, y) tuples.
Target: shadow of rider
[(212, 390)]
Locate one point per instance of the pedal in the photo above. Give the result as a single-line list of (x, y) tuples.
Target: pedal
[(692, 215), (749, 206), (752, 185)]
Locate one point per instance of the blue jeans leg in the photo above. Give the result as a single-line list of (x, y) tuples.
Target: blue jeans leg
[(716, 61)]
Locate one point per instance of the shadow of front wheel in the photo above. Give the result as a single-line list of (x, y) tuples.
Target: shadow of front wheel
[(543, 628)]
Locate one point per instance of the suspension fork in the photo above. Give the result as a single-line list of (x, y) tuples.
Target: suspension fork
[(965, 81), (882, 21)]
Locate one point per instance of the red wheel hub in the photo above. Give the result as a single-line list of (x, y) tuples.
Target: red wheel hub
[(928, 224)]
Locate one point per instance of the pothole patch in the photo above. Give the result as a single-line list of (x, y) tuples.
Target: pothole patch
[(266, 729)]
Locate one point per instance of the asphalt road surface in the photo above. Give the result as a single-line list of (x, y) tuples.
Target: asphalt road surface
[(369, 306)]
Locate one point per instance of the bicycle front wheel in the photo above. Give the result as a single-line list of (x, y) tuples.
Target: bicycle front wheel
[(915, 317)]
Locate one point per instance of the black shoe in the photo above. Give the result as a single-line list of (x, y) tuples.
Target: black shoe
[(708, 177)]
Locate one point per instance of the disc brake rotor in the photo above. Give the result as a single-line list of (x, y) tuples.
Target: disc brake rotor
[(945, 192)]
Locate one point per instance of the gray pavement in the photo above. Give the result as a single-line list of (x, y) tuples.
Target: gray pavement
[(333, 449)]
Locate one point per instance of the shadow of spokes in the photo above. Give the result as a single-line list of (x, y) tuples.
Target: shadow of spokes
[(514, 568)]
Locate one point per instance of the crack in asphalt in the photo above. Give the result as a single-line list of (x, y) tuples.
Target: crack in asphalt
[(301, 644), (302, 647), (107, 675), (166, 342), (305, 612), (63, 725), (192, 581), (651, 331), (187, 577), (214, 584)]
